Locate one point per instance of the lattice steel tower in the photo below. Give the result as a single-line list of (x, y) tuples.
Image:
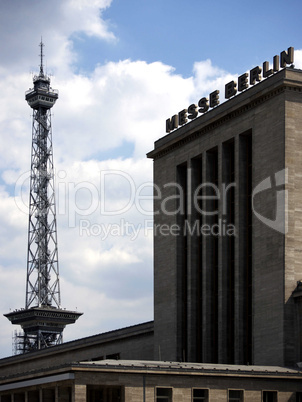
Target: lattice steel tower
[(43, 320)]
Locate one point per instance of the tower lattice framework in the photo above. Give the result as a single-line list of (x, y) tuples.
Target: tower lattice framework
[(42, 320), (43, 287)]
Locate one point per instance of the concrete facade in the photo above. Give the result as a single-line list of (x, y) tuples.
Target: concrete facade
[(254, 316)]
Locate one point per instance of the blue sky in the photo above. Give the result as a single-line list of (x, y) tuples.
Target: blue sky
[(121, 67), (179, 33)]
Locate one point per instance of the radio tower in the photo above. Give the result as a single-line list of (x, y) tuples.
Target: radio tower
[(43, 320)]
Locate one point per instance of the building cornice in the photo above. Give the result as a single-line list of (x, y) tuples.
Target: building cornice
[(69, 371)]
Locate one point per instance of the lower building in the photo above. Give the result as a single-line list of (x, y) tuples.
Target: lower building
[(141, 381)]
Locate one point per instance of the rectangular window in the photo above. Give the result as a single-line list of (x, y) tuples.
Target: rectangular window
[(269, 396), (200, 395), (197, 245), (99, 393), (246, 246), (32, 396), (64, 394), (163, 394), (212, 255), (48, 394), (21, 397), (113, 356), (235, 395), (228, 249), (8, 398), (97, 358)]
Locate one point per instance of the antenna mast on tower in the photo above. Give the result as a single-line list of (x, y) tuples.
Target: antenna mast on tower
[(43, 320)]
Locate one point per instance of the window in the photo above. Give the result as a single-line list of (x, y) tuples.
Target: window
[(235, 395), (65, 394), (32, 396), (269, 396), (163, 394), (200, 395), (97, 358), (113, 356), (103, 393)]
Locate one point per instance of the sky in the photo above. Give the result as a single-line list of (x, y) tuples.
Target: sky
[(122, 67)]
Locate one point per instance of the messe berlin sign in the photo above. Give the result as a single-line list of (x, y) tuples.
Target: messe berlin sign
[(231, 88)]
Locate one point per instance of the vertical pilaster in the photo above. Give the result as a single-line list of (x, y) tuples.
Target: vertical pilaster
[(227, 262), (245, 279), (195, 240), (79, 393)]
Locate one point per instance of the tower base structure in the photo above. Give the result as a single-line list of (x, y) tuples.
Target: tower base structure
[(42, 326)]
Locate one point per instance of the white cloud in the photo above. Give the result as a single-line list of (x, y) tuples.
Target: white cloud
[(120, 103), (298, 59), (84, 15), (208, 78)]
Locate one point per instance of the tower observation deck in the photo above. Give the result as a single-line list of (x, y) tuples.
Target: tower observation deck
[(42, 320)]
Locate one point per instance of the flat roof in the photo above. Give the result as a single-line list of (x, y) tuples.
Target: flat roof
[(147, 367), (171, 367), (102, 338)]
